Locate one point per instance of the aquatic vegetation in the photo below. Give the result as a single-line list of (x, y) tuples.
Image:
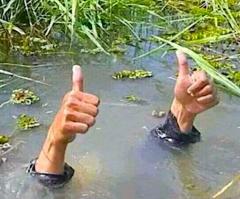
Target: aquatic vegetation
[(234, 76), (117, 50), (94, 20), (33, 45), (4, 139), (132, 74), (25, 122), (21, 96), (110, 26), (206, 66), (134, 99)]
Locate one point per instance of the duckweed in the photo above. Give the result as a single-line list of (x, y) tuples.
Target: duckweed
[(33, 45), (25, 122), (132, 74), (26, 97), (4, 139), (132, 98)]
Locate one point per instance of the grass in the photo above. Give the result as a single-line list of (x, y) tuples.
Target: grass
[(80, 19), (198, 25), (209, 33)]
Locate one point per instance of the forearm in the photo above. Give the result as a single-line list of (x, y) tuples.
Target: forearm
[(52, 156), (184, 118)]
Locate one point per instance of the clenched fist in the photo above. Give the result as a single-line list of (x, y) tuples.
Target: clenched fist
[(77, 113)]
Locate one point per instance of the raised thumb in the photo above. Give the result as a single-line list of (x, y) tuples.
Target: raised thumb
[(77, 78), (183, 67)]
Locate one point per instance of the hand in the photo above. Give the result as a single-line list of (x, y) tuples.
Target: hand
[(77, 113), (194, 93)]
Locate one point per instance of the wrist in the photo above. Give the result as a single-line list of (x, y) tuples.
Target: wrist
[(52, 155), (184, 118), (59, 137)]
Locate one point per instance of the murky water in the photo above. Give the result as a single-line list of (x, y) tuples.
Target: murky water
[(116, 160)]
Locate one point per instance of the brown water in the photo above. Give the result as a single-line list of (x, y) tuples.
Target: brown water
[(116, 160)]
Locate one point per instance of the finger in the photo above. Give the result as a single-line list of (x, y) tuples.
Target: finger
[(80, 96), (77, 78), (206, 99), (81, 118), (76, 127), (84, 107), (85, 97), (183, 67), (91, 99), (207, 90), (200, 81)]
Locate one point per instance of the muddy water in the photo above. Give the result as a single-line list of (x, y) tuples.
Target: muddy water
[(116, 160)]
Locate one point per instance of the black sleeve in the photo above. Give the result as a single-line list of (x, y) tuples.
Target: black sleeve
[(51, 180), (170, 133)]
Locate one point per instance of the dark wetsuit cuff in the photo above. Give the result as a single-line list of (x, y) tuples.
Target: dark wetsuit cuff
[(170, 132), (51, 180)]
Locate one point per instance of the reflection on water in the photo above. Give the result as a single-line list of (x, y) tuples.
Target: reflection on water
[(116, 159)]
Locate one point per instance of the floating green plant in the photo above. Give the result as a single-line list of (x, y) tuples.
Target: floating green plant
[(25, 122), (34, 45), (235, 77), (117, 50), (132, 98), (132, 74), (4, 139), (21, 96)]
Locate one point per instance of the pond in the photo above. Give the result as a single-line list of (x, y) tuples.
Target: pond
[(116, 159)]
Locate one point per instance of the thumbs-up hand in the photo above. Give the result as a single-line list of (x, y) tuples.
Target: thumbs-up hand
[(194, 93), (77, 113)]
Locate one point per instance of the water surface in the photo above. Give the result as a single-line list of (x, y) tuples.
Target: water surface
[(116, 160)]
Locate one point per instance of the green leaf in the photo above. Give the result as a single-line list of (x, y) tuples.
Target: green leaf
[(206, 66)]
